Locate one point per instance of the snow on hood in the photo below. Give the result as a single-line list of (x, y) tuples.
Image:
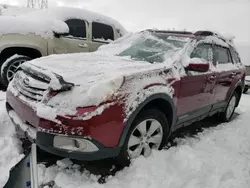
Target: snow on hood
[(43, 27), (91, 68), (96, 77)]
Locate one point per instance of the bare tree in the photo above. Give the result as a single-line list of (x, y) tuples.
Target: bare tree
[(37, 4)]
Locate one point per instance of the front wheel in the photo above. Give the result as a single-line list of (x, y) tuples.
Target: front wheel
[(10, 66), (148, 132), (227, 115)]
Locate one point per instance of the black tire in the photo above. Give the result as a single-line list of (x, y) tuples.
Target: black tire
[(7, 65), (223, 115), (123, 159), (245, 90)]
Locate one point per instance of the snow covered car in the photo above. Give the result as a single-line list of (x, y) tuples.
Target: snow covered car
[(247, 84), (126, 98), (51, 31)]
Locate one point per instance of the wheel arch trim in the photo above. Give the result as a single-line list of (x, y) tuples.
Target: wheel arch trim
[(132, 117)]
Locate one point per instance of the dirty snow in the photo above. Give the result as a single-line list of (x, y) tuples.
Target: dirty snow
[(216, 157)]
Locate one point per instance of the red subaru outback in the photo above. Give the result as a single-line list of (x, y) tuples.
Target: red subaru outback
[(126, 98)]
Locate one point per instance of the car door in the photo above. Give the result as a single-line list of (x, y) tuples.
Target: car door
[(197, 89), (77, 40), (226, 73), (101, 34)]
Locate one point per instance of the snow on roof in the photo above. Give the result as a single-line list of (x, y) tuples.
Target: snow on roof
[(8, 10), (65, 13), (19, 25), (44, 22)]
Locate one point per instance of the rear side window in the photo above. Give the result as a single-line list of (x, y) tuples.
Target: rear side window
[(203, 51), (222, 55), (102, 32), (77, 28), (235, 56)]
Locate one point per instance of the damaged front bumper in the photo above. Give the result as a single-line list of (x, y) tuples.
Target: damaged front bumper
[(82, 139)]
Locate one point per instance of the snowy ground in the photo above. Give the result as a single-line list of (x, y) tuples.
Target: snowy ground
[(10, 154), (218, 157)]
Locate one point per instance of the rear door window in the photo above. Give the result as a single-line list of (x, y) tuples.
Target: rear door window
[(102, 32), (235, 56), (222, 55), (77, 28)]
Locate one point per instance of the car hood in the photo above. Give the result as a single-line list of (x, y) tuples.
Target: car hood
[(91, 68)]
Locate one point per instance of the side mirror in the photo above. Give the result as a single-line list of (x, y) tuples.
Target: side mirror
[(58, 35), (198, 65), (60, 28)]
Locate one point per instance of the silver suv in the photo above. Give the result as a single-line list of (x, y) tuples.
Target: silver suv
[(52, 31)]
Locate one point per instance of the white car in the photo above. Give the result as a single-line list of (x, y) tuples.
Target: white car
[(247, 84), (51, 31)]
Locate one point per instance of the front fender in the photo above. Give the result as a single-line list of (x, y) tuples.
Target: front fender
[(140, 106), (25, 41)]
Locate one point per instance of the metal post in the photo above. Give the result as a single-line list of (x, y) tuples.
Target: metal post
[(33, 167)]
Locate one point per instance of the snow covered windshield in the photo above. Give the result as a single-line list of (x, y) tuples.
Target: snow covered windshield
[(154, 47)]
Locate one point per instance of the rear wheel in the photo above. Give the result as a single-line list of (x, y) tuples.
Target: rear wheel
[(10, 66), (229, 111), (148, 132), (245, 90)]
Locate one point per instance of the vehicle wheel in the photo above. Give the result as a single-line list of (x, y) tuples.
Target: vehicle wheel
[(148, 131), (245, 90), (226, 116), (9, 68)]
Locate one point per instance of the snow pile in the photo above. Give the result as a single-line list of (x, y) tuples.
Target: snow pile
[(9, 145), (216, 157)]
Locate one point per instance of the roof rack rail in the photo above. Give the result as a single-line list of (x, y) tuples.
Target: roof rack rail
[(210, 33), (204, 33), (169, 31)]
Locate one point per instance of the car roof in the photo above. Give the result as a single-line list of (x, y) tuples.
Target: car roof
[(199, 35), (65, 13)]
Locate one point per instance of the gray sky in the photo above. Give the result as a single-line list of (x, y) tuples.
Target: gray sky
[(226, 16)]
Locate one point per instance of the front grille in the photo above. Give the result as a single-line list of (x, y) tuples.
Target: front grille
[(29, 86)]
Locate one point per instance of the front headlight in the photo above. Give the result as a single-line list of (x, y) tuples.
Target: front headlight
[(103, 90), (85, 96)]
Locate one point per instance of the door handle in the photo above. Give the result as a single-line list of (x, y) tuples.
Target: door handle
[(83, 45), (211, 78), (232, 75)]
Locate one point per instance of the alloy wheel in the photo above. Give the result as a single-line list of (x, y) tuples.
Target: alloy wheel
[(231, 106), (13, 68), (147, 135)]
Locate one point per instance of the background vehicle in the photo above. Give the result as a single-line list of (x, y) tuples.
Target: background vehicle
[(44, 32), (126, 98), (247, 80)]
